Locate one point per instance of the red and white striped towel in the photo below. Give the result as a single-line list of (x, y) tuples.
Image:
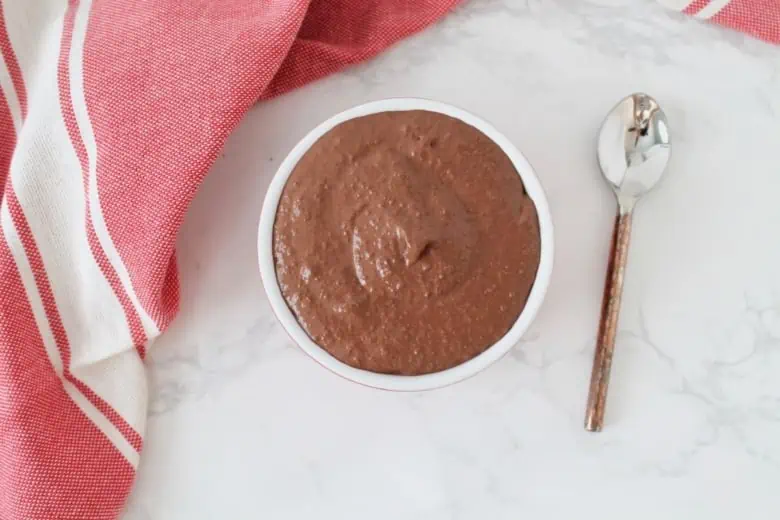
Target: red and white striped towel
[(758, 18), (111, 114)]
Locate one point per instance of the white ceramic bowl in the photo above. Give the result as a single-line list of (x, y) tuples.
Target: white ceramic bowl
[(398, 382)]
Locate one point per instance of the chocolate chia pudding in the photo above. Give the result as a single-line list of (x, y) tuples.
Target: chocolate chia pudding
[(404, 242)]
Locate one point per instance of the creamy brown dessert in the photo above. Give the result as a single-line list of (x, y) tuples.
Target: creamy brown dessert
[(405, 243)]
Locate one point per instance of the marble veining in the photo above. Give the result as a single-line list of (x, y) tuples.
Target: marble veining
[(244, 426)]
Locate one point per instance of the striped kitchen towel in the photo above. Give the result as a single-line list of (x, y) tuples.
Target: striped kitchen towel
[(112, 112), (758, 18)]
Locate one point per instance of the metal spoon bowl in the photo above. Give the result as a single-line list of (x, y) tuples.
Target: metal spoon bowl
[(633, 150)]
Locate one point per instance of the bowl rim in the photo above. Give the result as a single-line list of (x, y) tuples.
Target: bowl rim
[(391, 381)]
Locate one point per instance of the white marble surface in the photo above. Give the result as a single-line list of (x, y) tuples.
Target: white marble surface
[(244, 426)]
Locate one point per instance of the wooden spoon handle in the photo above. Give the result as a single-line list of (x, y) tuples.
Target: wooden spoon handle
[(610, 309)]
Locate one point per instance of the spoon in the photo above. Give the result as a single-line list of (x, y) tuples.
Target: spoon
[(633, 150)]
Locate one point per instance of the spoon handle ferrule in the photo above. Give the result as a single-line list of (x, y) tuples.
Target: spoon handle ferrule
[(610, 309)]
